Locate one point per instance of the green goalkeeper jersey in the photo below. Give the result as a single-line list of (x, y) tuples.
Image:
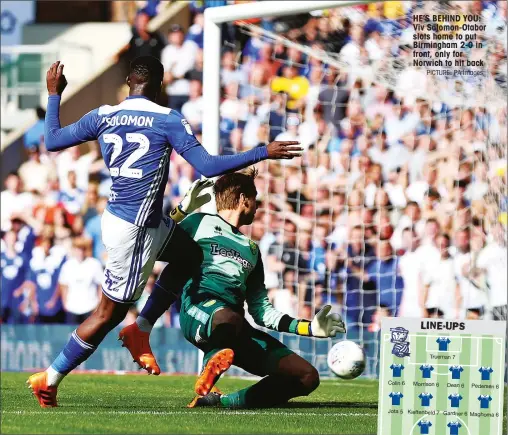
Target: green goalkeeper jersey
[(232, 269)]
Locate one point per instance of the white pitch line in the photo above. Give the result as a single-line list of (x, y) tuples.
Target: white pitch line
[(221, 413)]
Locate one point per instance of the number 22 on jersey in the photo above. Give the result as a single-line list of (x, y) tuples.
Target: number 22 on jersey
[(125, 170)]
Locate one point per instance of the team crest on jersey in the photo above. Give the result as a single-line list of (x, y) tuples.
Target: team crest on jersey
[(253, 247), (209, 303), (187, 126)]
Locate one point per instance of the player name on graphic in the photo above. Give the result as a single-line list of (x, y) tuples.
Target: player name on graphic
[(425, 384), (441, 357), (473, 385), (423, 412), (483, 414)]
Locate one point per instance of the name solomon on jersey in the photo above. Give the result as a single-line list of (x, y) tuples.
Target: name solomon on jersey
[(231, 253), (138, 121)]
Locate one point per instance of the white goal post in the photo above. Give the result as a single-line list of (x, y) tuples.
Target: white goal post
[(214, 17)]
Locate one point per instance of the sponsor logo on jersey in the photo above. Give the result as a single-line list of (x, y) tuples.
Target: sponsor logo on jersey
[(187, 127), (217, 230), (253, 247), (231, 253)]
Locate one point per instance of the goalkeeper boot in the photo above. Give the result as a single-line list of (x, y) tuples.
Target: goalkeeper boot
[(214, 368), (45, 394), (211, 399), (137, 343)]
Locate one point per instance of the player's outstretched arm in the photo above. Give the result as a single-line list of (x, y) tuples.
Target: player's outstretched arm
[(55, 137), (323, 325), (212, 166), (192, 200), (179, 134)]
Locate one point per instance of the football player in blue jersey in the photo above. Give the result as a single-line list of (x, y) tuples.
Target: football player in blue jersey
[(136, 139)]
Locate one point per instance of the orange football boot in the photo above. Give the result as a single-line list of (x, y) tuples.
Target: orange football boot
[(46, 395), (137, 343), (216, 365)]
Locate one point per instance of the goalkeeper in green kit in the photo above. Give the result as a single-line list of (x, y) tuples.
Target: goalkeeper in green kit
[(212, 311)]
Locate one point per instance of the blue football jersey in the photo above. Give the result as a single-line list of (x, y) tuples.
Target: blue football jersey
[(136, 139)]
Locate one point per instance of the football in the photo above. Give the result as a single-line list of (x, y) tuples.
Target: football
[(346, 359)]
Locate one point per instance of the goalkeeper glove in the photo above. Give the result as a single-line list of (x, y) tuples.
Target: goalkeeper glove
[(192, 200), (323, 325)]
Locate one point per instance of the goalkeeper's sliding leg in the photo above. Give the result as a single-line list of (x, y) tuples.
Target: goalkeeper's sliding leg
[(226, 338)]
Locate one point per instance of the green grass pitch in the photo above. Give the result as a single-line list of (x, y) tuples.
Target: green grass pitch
[(103, 404)]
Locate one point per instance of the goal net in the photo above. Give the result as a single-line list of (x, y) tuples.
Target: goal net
[(398, 205)]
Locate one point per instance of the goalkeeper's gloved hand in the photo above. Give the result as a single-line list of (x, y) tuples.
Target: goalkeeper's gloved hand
[(326, 325), (192, 200)]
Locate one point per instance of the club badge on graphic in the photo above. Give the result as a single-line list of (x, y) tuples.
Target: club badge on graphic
[(400, 344)]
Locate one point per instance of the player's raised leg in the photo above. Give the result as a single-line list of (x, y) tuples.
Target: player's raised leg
[(184, 258)]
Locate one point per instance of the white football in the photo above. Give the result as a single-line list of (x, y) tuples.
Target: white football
[(346, 359)]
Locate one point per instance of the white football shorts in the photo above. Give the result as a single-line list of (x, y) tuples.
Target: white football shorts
[(132, 252)]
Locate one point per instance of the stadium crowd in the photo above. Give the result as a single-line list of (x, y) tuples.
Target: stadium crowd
[(397, 208)]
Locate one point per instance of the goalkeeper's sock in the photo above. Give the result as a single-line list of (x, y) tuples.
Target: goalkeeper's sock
[(73, 354), (269, 391), (158, 302)]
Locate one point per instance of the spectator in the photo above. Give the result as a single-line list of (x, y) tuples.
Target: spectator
[(285, 256), (93, 231), (410, 268), (474, 298), (42, 279), (356, 260), (14, 267), (442, 297), (82, 164), (36, 173), (284, 299), (195, 32), (192, 110), (72, 198), (388, 156), (80, 282), (293, 84), (291, 133), (34, 136), (229, 72), (417, 190), (384, 273), (178, 59), (196, 73), (14, 199), (143, 42)]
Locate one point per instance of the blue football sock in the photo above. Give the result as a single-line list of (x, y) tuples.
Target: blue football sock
[(158, 302), (73, 354)]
